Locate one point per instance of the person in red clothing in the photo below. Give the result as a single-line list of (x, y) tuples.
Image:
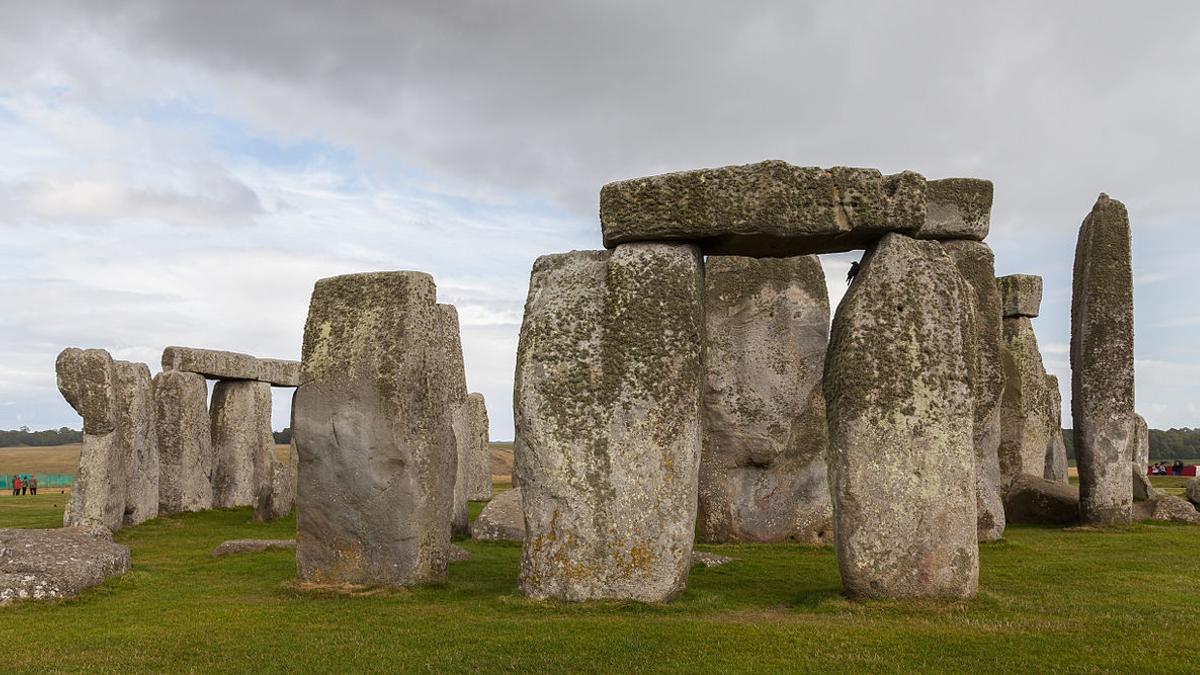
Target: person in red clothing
[(16, 486)]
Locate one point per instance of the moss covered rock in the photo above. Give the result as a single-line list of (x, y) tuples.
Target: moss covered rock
[(185, 455)]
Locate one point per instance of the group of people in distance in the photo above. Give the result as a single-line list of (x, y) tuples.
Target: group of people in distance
[(25, 484), (1161, 468)]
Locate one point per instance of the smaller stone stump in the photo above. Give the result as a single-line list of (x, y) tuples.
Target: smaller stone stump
[(242, 443), (479, 464), (184, 442), (49, 564), (1171, 509), (1143, 489), (1035, 500), (502, 519)]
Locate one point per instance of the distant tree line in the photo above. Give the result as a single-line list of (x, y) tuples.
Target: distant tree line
[(1170, 444), (39, 439)]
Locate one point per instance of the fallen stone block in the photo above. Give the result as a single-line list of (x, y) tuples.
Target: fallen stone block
[(456, 553), (706, 559), (1173, 509), (1021, 294), (502, 519), (1031, 499), (50, 564), (253, 546)]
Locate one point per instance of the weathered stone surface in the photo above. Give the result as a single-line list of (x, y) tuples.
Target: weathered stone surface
[(977, 265), (1031, 499), (1142, 488), (373, 433), (242, 443), (184, 442), (479, 465), (86, 379), (1056, 448), (1029, 410), (607, 401), (901, 448), (137, 438), (276, 498), (957, 208), (279, 372), (47, 564), (220, 365), (1102, 363), (763, 476), (502, 519), (1193, 490), (456, 403), (456, 553), (253, 546), (706, 559), (770, 208), (1173, 509), (1021, 294)]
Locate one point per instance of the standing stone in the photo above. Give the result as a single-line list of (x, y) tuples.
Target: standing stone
[(479, 467), (242, 443), (607, 402), (1143, 489), (373, 433), (977, 265), (1028, 410), (184, 442), (901, 448), (456, 403), (763, 476), (1102, 364), (137, 436), (1056, 448), (85, 378), (276, 498)]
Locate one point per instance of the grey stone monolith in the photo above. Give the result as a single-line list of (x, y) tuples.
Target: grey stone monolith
[(608, 422), (242, 443), (977, 265), (479, 464), (137, 436), (276, 499), (769, 208), (86, 380), (184, 442), (1143, 489), (1021, 294), (1056, 447), (373, 433), (957, 209), (502, 519), (1102, 364), (1030, 410), (901, 426), (1035, 500), (456, 403), (763, 476)]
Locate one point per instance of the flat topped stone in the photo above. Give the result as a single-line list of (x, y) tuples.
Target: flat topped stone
[(279, 372), (1020, 294), (957, 208), (253, 546), (220, 365), (770, 208), (46, 564)]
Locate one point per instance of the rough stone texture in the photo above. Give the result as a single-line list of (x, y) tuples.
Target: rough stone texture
[(479, 464), (1102, 363), (1021, 294), (901, 448), (1031, 499), (1174, 509), (770, 208), (279, 372), (502, 519), (456, 403), (242, 443), (1193, 490), (957, 208), (253, 546), (977, 265), (706, 559), (1142, 488), (184, 442), (47, 564), (456, 553), (276, 498), (608, 422), (1056, 448), (86, 379), (373, 433), (137, 438), (763, 476), (1029, 411), (219, 365)]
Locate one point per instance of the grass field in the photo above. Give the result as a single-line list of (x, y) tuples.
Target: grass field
[(1050, 600)]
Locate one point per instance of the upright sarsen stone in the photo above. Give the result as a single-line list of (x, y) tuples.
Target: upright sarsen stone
[(1056, 448), (86, 380), (479, 465), (456, 404), (607, 402), (1030, 410), (184, 442), (1143, 489), (763, 476), (901, 448), (137, 436), (1102, 363), (376, 446), (242, 442)]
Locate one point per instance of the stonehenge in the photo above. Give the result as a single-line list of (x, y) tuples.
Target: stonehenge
[(219, 365), (763, 476), (457, 404), (374, 433), (479, 464), (1140, 454), (85, 378), (56, 564), (502, 519), (137, 437), (184, 443), (242, 444), (1102, 364)]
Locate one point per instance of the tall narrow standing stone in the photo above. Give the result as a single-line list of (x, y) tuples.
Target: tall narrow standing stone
[(1102, 363), (1028, 409), (977, 265), (456, 403), (1056, 448), (373, 433), (901, 447), (607, 402), (479, 468), (1143, 489), (242, 443), (763, 476), (138, 439), (184, 442), (85, 378)]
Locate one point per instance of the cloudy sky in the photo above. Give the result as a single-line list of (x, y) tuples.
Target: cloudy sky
[(181, 173)]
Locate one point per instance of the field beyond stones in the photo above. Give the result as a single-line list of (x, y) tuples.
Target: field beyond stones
[(1049, 600)]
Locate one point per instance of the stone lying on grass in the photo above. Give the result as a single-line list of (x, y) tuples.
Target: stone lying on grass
[(1173, 509), (709, 559), (456, 553), (253, 546), (1031, 499), (45, 564), (1193, 490), (501, 519)]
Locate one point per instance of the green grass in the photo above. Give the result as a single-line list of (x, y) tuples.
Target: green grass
[(1049, 600)]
